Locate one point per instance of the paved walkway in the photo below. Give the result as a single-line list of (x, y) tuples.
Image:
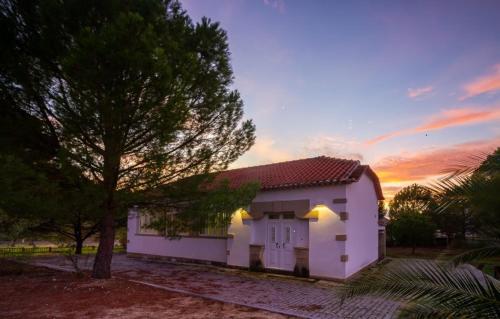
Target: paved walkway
[(274, 293)]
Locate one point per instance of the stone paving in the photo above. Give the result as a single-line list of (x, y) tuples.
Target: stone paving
[(282, 294)]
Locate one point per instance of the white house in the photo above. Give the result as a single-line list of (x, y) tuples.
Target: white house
[(318, 214)]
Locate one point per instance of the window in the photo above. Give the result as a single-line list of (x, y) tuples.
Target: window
[(287, 234), (214, 231), (180, 228), (176, 226), (216, 225), (145, 221)]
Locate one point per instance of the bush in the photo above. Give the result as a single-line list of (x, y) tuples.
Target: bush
[(256, 265), (301, 271)]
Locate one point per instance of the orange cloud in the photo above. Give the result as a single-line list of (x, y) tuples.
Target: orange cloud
[(418, 92), (484, 84), (446, 118), (401, 170), (384, 137), (458, 117)]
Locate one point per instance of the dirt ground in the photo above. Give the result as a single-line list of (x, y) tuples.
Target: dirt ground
[(33, 292)]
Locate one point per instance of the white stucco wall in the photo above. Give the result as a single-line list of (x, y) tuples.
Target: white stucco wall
[(319, 236), (208, 249), (362, 225), (324, 250), (238, 246)]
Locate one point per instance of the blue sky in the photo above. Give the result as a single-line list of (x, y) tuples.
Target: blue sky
[(407, 87)]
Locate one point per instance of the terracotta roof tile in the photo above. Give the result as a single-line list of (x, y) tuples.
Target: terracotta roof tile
[(314, 171)]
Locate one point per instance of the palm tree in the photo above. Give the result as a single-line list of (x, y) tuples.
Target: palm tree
[(429, 289), (432, 289)]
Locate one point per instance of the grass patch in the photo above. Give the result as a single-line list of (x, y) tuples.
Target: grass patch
[(423, 252), (35, 251)]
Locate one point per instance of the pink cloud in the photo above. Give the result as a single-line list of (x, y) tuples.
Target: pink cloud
[(485, 84), (384, 137), (401, 170), (458, 117), (445, 119), (419, 92)]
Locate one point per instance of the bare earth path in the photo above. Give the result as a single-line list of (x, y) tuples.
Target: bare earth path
[(273, 293), (28, 292)]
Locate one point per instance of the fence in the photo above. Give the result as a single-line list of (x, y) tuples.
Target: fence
[(22, 251)]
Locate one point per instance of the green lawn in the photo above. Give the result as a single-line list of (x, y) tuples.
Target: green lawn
[(31, 251), (423, 252)]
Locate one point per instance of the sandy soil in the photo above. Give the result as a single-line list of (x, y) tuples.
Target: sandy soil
[(32, 292)]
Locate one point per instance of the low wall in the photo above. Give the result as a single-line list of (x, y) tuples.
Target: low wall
[(194, 248), (209, 249)]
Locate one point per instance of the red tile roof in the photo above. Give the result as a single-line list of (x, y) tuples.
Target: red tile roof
[(316, 171)]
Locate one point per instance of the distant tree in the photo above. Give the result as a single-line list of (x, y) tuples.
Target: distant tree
[(415, 198), (412, 228), (411, 216), (382, 210), (137, 94), (456, 220), (40, 191)]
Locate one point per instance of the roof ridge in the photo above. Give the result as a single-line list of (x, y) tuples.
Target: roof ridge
[(295, 160)]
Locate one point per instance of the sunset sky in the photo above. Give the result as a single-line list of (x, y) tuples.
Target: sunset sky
[(408, 87)]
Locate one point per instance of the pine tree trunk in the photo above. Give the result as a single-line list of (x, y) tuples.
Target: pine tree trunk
[(102, 262), (79, 246), (77, 229), (111, 169)]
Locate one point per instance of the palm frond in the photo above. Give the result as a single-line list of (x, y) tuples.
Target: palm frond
[(418, 311), (459, 292), (457, 190), (467, 165), (492, 250)]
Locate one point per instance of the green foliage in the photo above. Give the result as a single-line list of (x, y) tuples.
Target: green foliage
[(24, 191), (382, 210), (256, 265), (431, 290), (415, 198), (133, 87), (137, 95), (411, 228), (474, 190), (193, 211), (411, 221), (40, 192), (14, 228), (490, 250)]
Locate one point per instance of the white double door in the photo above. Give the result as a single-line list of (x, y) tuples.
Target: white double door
[(280, 243)]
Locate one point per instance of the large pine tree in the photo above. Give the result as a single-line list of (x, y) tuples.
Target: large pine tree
[(135, 92)]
